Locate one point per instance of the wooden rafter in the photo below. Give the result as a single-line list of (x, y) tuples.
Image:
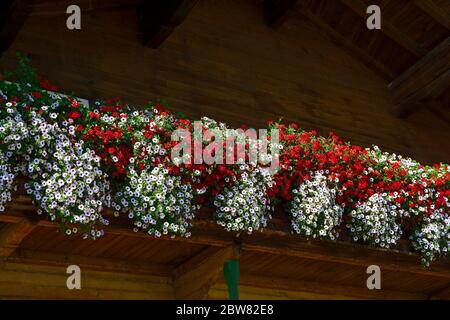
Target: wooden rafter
[(194, 278), (388, 29), (158, 19), (13, 14), (371, 62), (423, 82), (276, 11), (434, 11), (11, 235)]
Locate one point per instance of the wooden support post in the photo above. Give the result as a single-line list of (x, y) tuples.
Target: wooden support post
[(194, 278)]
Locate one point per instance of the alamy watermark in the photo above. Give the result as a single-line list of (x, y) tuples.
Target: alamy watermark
[(74, 278), (226, 146)]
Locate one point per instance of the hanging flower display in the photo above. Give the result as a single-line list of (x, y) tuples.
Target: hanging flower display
[(6, 181), (13, 134), (432, 237), (245, 206), (65, 178), (157, 202), (313, 209), (375, 221), (78, 158)]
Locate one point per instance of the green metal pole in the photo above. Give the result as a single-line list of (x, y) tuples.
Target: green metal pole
[(231, 272)]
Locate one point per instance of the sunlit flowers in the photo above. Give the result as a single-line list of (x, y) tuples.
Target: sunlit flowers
[(313, 209), (245, 206), (432, 237), (375, 221), (157, 202)]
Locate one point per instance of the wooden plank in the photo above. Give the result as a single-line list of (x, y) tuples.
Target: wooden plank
[(434, 11), (309, 81), (342, 252), (194, 278), (59, 7), (371, 62), (327, 289), (33, 257), (11, 235), (423, 82), (277, 11), (159, 18), (443, 294), (13, 14), (49, 282), (388, 29)]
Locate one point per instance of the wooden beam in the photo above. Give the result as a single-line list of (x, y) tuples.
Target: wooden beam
[(371, 62), (276, 11), (359, 7), (423, 82), (159, 18), (434, 11), (32, 281), (326, 290), (13, 14), (344, 253), (33, 257), (11, 235), (194, 278)]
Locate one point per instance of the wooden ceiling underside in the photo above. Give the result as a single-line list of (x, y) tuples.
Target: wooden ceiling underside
[(411, 51), (270, 260)]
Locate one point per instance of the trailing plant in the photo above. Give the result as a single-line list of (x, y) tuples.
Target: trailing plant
[(80, 158)]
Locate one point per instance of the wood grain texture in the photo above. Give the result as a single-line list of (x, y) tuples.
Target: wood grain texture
[(30, 281), (232, 75), (438, 12), (11, 235), (13, 14), (359, 6), (159, 18), (423, 82), (194, 278)]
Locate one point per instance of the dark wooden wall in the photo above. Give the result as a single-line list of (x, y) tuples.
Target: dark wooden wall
[(225, 63)]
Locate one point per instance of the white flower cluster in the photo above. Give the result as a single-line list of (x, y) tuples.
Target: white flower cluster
[(13, 131), (65, 178), (313, 208), (432, 237), (245, 206), (6, 181), (376, 221), (158, 202)]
